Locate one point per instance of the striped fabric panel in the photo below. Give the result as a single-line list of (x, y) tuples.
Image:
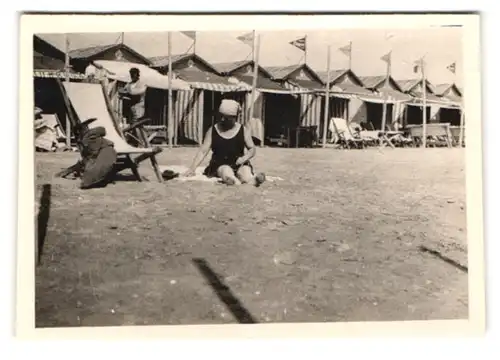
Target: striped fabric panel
[(186, 115), (310, 106)]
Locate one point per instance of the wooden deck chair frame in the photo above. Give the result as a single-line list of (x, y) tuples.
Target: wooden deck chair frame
[(349, 142), (124, 160), (436, 130)]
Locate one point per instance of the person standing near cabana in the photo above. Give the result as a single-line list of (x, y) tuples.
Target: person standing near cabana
[(134, 94), (228, 139)]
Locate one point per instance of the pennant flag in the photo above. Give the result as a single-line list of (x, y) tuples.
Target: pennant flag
[(299, 43), (246, 39), (346, 50), (417, 66), (387, 57), (389, 36), (452, 67), (190, 34)]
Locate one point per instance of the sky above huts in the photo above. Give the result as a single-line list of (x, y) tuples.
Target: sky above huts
[(441, 46)]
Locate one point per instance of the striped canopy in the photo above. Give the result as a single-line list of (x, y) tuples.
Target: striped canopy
[(199, 79)]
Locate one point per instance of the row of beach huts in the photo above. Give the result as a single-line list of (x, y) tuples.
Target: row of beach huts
[(287, 97)]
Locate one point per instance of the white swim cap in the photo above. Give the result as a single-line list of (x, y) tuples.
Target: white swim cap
[(229, 107)]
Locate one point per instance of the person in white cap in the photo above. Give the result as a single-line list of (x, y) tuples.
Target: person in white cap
[(228, 139)]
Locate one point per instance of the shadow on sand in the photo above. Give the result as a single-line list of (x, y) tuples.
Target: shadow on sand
[(224, 293)]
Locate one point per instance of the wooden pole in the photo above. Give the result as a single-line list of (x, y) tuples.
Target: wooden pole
[(194, 44), (424, 112), (66, 70), (255, 51), (327, 97), (462, 129), (305, 49), (170, 129), (384, 106), (350, 55)]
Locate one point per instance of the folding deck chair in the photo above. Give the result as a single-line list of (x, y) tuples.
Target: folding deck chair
[(345, 137), (437, 134), (88, 106)]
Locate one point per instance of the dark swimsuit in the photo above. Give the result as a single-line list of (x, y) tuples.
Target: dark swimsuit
[(226, 152)]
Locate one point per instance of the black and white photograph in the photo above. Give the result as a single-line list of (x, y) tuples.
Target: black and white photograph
[(252, 175)]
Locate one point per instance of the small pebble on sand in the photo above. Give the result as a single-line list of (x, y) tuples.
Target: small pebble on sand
[(173, 282)]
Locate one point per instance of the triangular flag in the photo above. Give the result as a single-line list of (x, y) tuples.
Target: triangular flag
[(246, 38), (452, 67), (346, 50), (299, 43), (387, 57), (190, 34), (418, 65)]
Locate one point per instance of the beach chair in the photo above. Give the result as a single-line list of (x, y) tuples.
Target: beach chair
[(88, 106), (344, 135), (437, 134), (455, 136), (397, 137)]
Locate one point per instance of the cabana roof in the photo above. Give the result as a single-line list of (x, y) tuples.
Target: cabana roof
[(228, 68), (161, 62), (372, 82), (282, 72), (443, 89), (93, 52)]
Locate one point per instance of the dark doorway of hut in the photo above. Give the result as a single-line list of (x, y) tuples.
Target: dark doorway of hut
[(282, 114), (414, 115), (48, 97), (450, 116), (374, 113), (156, 109), (211, 103)]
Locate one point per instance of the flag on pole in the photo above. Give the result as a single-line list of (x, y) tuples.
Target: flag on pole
[(190, 34), (452, 67), (246, 39), (417, 66), (299, 44), (346, 50), (387, 58)]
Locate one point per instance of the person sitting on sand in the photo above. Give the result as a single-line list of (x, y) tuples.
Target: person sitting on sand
[(228, 139)]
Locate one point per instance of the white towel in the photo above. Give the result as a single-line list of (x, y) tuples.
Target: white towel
[(199, 174)]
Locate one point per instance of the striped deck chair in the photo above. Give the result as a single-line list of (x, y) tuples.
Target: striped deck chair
[(88, 105), (344, 135)]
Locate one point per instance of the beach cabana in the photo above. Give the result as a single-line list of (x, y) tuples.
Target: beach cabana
[(305, 108), (196, 110), (414, 109), (271, 100), (390, 92), (451, 95)]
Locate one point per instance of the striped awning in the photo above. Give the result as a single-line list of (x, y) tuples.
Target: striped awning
[(57, 74), (440, 103), (204, 80), (241, 87), (295, 89)]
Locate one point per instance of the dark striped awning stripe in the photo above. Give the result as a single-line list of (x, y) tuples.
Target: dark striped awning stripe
[(55, 74), (220, 87)]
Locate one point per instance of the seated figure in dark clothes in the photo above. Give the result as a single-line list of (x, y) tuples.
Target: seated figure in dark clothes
[(228, 139)]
